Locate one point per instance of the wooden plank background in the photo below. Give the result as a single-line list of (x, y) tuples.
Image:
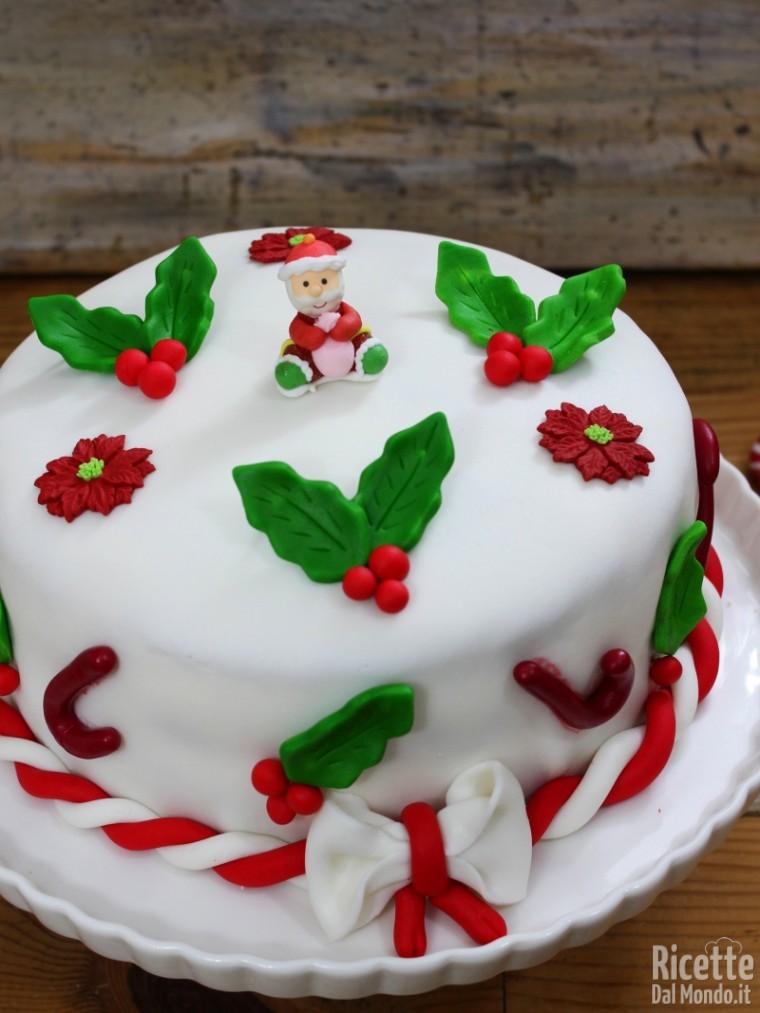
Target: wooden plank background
[(570, 133)]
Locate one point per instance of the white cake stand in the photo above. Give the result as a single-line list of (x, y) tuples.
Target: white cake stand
[(135, 907)]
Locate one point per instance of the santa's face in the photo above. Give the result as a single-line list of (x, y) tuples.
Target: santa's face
[(316, 292)]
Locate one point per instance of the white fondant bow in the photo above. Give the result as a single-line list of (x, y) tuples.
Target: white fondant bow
[(356, 859)]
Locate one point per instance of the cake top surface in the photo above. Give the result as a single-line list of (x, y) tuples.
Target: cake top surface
[(180, 566)]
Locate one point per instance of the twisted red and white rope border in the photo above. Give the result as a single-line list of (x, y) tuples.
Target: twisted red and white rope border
[(631, 760), (622, 767)]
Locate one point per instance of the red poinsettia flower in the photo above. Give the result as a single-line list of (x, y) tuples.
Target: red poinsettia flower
[(99, 475), (600, 443), (274, 246)]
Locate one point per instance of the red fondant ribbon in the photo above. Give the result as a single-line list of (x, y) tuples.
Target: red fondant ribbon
[(428, 859), (430, 881)]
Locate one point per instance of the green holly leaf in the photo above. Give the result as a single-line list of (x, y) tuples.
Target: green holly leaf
[(6, 645), (681, 604), (579, 316), (479, 303), (87, 339), (336, 750), (179, 305), (308, 523), (401, 491)]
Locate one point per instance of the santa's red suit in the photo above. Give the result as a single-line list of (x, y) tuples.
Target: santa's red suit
[(305, 333), (306, 337)]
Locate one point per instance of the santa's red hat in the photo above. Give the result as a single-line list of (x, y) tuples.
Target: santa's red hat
[(310, 254)]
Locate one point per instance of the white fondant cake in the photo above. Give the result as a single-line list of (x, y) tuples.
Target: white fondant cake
[(225, 650)]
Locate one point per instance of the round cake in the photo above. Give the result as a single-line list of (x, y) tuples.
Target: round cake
[(197, 615)]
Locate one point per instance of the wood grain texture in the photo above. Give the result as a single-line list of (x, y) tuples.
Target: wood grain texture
[(571, 133), (707, 326)]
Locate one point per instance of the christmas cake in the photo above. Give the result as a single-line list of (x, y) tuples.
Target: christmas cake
[(377, 637)]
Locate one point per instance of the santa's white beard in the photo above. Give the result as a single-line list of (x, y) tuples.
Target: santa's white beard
[(327, 302)]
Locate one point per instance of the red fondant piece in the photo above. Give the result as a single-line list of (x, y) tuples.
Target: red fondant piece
[(129, 364), (269, 778), (501, 368), (543, 682), (428, 859), (708, 464), (392, 596), (60, 696), (279, 810), (504, 341), (536, 363), (389, 562), (170, 351), (546, 802), (12, 724), (409, 936), (304, 799), (706, 652), (359, 583), (714, 570), (470, 912), (157, 379), (9, 680), (666, 671), (654, 751), (267, 868)]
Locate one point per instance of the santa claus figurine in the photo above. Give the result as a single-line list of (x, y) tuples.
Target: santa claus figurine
[(327, 338)]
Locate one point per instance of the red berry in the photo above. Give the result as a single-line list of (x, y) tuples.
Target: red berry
[(389, 562), (359, 583), (503, 341), (269, 777), (170, 351), (157, 380), (304, 799), (537, 363), (666, 671), (129, 364), (9, 680), (279, 811), (502, 368), (391, 596)]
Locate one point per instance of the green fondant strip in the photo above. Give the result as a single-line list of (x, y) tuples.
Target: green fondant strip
[(579, 316), (337, 749), (479, 303), (179, 305), (401, 491), (6, 644), (308, 523), (681, 604)]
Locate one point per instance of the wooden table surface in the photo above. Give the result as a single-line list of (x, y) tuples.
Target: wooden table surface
[(708, 327)]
